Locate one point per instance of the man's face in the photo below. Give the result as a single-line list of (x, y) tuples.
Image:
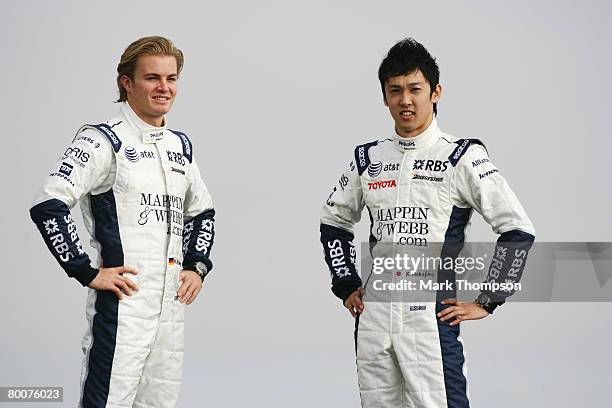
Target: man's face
[(153, 89), (410, 102)]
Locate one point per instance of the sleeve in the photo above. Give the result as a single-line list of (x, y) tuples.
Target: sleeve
[(340, 213), (199, 228), (479, 184), (84, 166)]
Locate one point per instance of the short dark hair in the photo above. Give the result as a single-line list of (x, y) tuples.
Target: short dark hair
[(406, 56)]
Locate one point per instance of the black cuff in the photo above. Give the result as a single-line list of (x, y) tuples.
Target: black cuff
[(487, 302), (344, 289), (191, 263), (86, 275)]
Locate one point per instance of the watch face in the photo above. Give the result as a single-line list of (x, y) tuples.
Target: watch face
[(201, 268), (484, 299)]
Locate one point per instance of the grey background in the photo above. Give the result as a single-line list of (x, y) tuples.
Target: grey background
[(275, 96)]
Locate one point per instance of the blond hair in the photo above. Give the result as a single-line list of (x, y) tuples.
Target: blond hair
[(153, 45)]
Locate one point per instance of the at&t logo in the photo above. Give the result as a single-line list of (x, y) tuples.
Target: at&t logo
[(374, 169), (131, 154)]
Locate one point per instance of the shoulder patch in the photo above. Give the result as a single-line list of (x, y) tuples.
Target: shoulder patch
[(460, 150), (187, 146), (362, 158), (106, 131)]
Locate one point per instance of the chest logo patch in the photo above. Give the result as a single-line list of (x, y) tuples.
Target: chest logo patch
[(382, 184), (374, 169), (131, 154)]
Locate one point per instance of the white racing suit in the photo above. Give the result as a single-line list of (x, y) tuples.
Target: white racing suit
[(145, 205), (418, 191)]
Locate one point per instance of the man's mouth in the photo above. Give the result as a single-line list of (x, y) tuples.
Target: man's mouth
[(406, 114), (161, 98)]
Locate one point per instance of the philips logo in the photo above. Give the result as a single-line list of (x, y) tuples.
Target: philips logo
[(406, 144), (417, 308)]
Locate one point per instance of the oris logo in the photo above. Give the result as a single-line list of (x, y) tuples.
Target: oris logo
[(131, 154), (382, 184), (430, 165), (374, 169), (77, 154)]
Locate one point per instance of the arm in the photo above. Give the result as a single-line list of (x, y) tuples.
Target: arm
[(84, 166), (341, 211), (198, 237), (199, 230), (478, 184)]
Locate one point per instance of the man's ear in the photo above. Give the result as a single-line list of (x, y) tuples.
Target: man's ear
[(436, 94), (126, 82)]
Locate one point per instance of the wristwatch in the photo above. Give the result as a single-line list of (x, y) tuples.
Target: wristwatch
[(483, 300), (200, 268)]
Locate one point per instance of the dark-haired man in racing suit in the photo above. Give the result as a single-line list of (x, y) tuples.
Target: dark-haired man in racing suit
[(420, 186)]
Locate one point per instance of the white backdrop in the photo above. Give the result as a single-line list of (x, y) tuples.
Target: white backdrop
[(275, 96)]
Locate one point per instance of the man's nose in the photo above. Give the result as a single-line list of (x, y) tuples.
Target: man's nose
[(163, 85), (405, 99)]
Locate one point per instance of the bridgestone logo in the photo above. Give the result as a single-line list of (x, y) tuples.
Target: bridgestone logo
[(381, 184), (428, 178)]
